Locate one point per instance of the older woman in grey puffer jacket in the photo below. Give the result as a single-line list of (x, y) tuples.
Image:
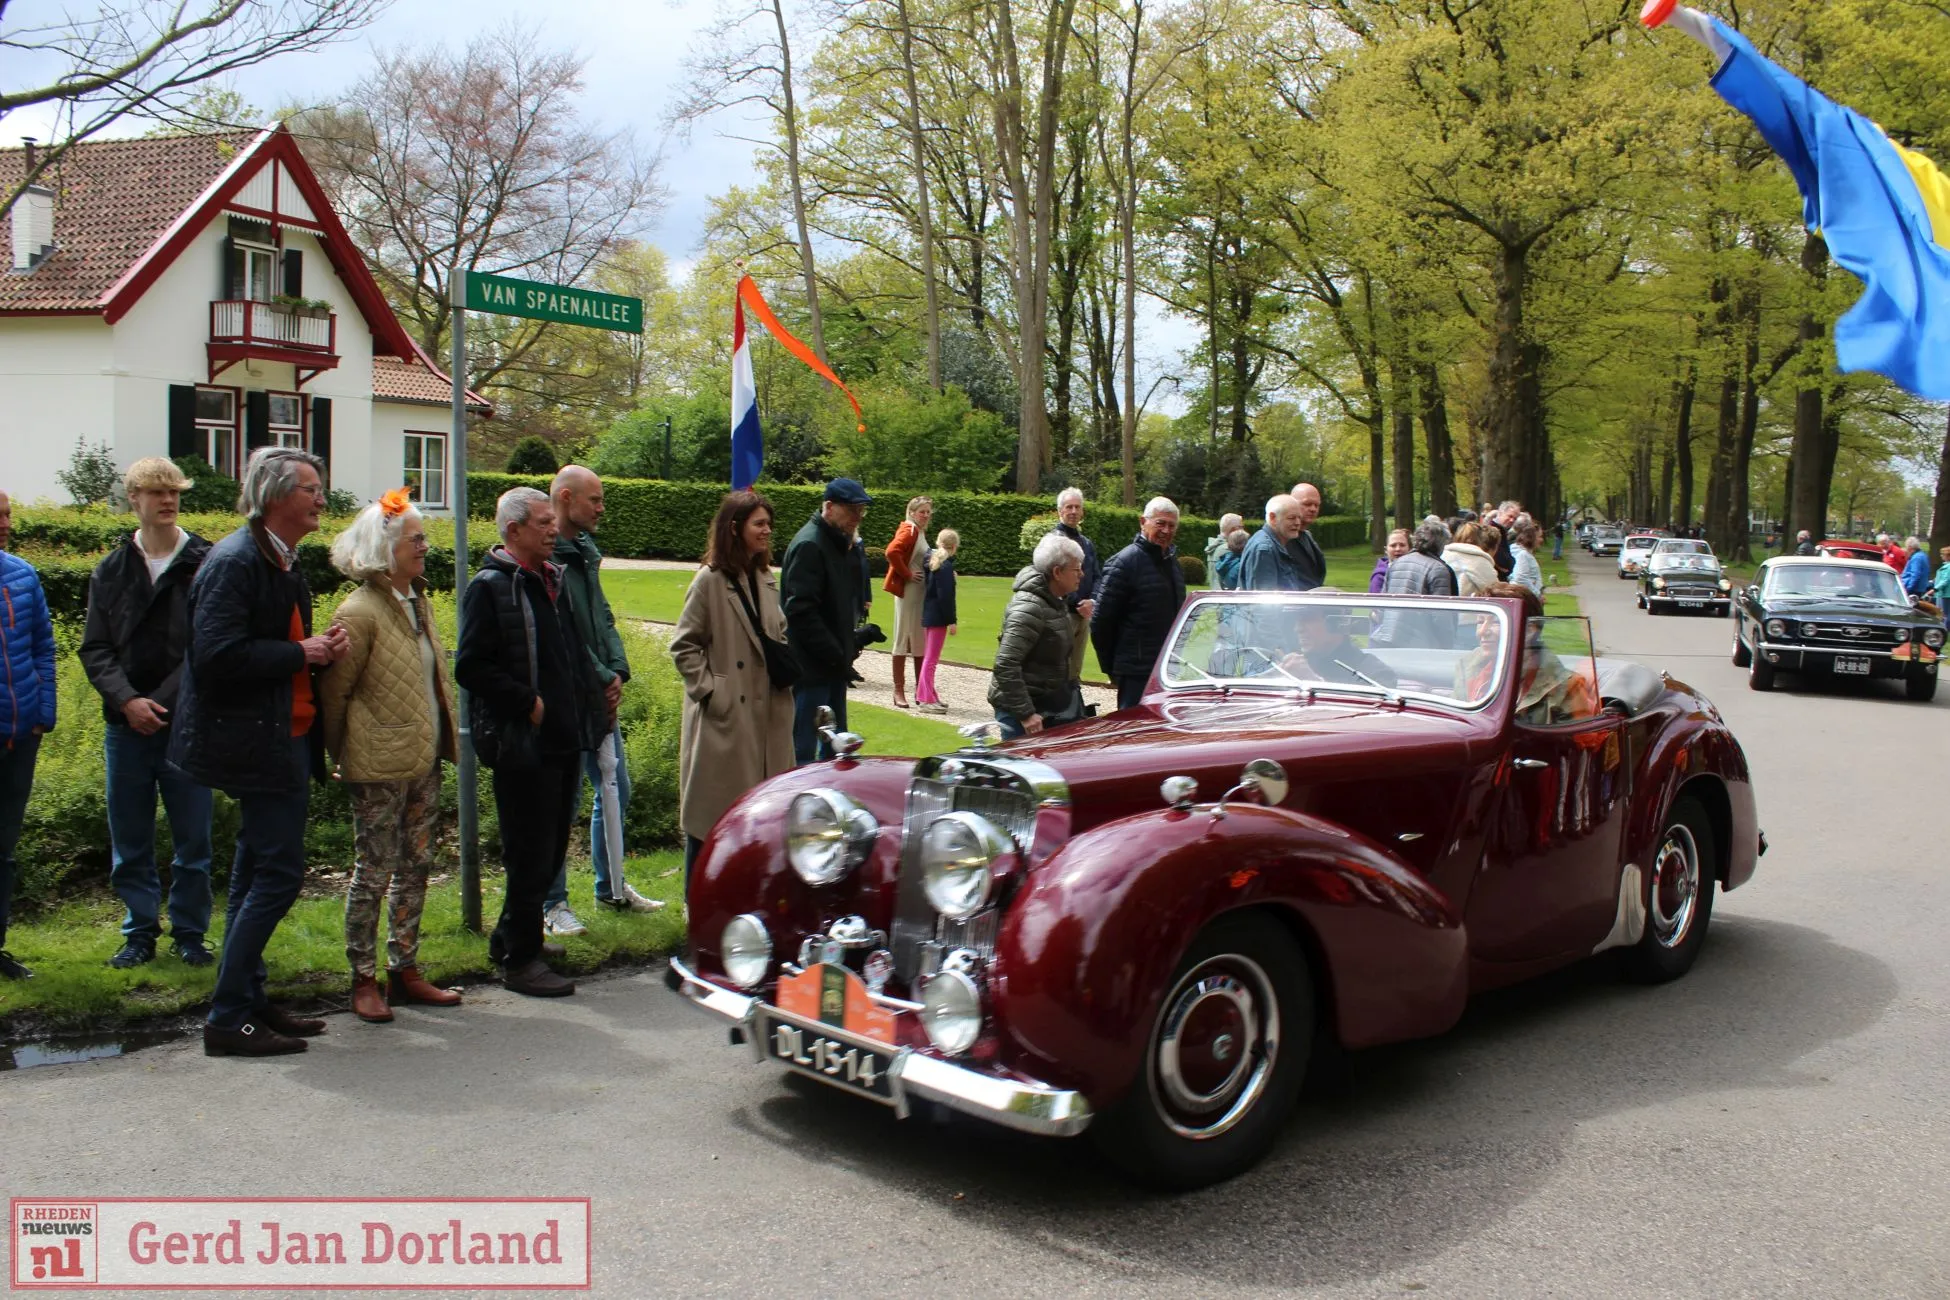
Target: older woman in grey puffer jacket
[(1032, 684)]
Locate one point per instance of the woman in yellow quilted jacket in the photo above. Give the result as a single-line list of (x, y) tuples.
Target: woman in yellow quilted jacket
[(388, 721)]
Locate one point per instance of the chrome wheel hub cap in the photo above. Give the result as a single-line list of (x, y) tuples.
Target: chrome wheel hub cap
[(1217, 1039), (1675, 887)]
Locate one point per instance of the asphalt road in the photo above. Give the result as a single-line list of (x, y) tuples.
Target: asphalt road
[(1771, 1125)]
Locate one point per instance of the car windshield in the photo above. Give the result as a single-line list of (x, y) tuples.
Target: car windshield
[(1857, 581), (1422, 646), (1639, 543), (1684, 555), (1683, 547)]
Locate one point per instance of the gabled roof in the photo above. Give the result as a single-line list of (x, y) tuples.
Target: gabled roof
[(415, 379), (126, 209)]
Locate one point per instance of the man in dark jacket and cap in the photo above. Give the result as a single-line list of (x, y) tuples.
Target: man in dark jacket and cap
[(1137, 600), (535, 690), (132, 646), (243, 725), (819, 586)]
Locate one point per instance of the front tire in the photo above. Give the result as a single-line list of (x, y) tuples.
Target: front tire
[(1920, 687), (1679, 897), (1741, 655), (1223, 1063), (1760, 673)]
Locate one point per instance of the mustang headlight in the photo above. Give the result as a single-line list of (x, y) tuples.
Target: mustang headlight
[(827, 835), (746, 950), (958, 857), (1933, 638), (1902, 635), (1777, 627), (951, 1011)]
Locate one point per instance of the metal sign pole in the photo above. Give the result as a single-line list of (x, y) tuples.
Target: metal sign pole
[(469, 818)]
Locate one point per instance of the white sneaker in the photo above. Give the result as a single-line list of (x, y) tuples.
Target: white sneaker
[(632, 901), (560, 922), (932, 707)]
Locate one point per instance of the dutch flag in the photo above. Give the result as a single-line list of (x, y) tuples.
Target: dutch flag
[(747, 439)]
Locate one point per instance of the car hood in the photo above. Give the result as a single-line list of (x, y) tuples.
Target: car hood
[(1110, 762), (1846, 611)]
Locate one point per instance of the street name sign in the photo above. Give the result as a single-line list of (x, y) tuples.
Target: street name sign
[(552, 302)]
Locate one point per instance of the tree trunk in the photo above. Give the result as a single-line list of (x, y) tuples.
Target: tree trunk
[(1243, 378), (1403, 407), (1435, 432), (1127, 240), (1516, 458), (1662, 508), (1808, 504), (1940, 509), (1682, 451), (924, 208), (791, 122)]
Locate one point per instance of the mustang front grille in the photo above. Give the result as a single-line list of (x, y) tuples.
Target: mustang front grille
[(1847, 634), (917, 930)]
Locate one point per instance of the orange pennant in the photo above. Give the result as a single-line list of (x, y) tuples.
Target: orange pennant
[(748, 292)]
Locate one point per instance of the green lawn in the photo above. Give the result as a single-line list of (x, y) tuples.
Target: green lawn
[(658, 595), (68, 947)]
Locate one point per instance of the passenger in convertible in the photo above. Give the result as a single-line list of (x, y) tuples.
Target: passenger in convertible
[(1328, 654), (1550, 691)]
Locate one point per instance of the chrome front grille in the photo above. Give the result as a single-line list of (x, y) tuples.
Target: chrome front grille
[(1842, 635), (919, 935)]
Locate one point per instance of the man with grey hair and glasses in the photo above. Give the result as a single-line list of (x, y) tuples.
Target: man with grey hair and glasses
[(1137, 602), (1081, 602), (244, 715), (536, 708)]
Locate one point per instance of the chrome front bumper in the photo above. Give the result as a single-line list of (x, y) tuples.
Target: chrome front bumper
[(1029, 1107)]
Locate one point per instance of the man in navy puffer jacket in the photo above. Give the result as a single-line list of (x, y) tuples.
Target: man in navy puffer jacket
[(26, 707)]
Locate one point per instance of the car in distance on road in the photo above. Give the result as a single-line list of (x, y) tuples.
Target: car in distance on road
[(1633, 553), (1845, 618), (1325, 823), (1683, 574), (1845, 550), (1606, 539)]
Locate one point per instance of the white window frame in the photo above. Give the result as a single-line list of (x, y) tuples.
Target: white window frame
[(221, 441), (288, 435), (415, 469), (251, 253)]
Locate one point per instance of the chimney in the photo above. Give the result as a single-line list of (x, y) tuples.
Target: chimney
[(33, 215)]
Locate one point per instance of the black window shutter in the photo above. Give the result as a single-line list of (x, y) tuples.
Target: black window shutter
[(257, 420), (294, 273), (182, 421), (231, 280), (321, 431)]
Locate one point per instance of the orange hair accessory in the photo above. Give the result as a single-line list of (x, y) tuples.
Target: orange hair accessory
[(395, 503)]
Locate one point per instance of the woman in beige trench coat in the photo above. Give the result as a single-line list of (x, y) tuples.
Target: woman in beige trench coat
[(737, 725)]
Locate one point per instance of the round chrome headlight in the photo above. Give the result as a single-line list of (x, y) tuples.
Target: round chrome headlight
[(1777, 627), (1658, 584), (958, 856), (746, 950), (827, 835), (951, 1011), (1725, 585), (1902, 635), (1933, 638)]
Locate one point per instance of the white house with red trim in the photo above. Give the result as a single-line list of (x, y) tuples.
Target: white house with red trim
[(197, 295)]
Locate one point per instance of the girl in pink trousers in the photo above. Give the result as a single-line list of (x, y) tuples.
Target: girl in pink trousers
[(937, 617)]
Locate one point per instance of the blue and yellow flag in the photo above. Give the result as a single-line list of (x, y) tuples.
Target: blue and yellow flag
[(1884, 211)]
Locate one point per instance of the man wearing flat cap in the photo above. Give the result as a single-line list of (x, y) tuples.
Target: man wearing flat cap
[(818, 585)]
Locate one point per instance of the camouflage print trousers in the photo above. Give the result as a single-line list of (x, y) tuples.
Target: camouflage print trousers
[(393, 836)]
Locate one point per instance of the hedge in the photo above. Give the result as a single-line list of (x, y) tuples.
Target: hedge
[(651, 517)]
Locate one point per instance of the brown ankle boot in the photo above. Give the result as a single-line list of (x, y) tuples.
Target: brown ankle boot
[(368, 1003), (407, 985)]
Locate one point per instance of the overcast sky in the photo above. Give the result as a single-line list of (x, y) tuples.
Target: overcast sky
[(634, 55)]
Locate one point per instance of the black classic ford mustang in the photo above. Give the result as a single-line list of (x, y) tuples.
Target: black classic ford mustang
[(1850, 618)]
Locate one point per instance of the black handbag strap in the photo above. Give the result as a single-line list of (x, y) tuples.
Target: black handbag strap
[(758, 629)]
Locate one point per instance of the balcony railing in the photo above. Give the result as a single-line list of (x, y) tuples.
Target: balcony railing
[(272, 325)]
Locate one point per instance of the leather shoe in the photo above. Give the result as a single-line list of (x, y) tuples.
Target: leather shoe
[(552, 949), (407, 985), (368, 1003), (536, 980), (252, 1039), (276, 1019)]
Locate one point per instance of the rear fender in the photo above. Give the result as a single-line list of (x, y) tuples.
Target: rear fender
[(1093, 937), (1700, 758)]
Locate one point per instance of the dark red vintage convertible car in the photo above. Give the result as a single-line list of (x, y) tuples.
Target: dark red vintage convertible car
[(1331, 817)]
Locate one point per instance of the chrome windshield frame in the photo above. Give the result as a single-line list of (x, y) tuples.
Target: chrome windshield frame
[(1277, 686)]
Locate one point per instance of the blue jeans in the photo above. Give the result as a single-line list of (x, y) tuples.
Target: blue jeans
[(807, 747), (1130, 690), (1557, 548), (1011, 725), (265, 878), (558, 890), (16, 783), (138, 769)]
